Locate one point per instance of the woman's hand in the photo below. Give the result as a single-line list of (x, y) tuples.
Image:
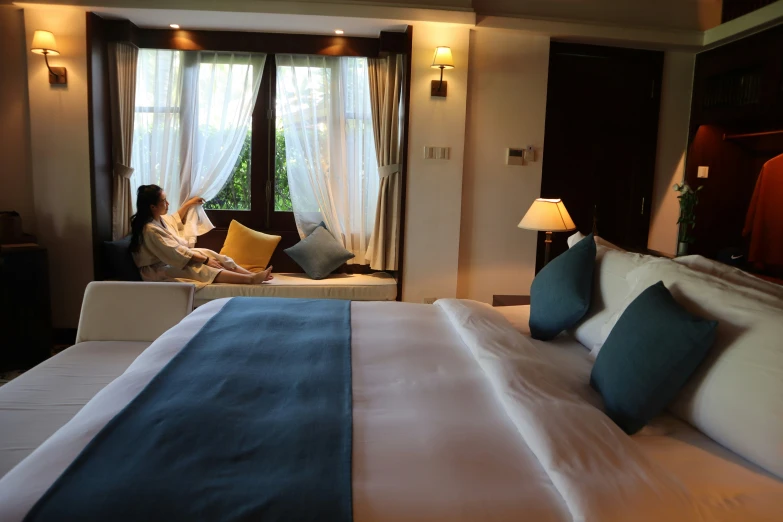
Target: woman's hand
[(189, 203), (214, 263)]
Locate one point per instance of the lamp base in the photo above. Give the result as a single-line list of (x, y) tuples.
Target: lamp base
[(58, 75), (547, 247), (439, 88)]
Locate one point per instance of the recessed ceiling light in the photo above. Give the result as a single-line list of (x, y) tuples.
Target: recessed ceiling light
[(174, 26), (339, 31)]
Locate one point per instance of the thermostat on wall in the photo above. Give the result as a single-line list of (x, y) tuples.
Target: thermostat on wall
[(515, 156)]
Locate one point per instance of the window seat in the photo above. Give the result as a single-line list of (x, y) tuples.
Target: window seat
[(378, 286)]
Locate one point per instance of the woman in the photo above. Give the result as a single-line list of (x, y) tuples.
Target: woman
[(162, 254)]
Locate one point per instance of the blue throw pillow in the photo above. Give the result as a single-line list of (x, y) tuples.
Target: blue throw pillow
[(651, 352), (561, 292), (119, 260), (319, 254)]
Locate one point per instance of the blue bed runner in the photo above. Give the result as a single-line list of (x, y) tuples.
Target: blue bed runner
[(252, 421)]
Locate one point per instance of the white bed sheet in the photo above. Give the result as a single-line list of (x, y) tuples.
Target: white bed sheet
[(39, 402), (430, 441), (705, 467)]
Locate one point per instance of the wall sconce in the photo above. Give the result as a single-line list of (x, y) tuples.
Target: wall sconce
[(441, 60), (43, 43)]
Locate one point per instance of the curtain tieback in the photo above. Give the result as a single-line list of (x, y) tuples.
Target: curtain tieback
[(388, 170), (123, 171)]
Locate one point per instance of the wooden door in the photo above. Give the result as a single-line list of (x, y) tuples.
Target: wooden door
[(601, 139)]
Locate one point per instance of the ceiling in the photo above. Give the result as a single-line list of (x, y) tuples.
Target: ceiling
[(247, 21)]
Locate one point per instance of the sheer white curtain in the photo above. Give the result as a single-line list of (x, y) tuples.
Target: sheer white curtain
[(324, 105), (157, 138), (220, 91), (193, 110)]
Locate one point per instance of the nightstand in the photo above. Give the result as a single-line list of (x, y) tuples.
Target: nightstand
[(510, 300)]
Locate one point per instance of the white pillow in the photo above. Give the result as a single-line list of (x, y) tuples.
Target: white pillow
[(736, 395), (610, 289), (599, 241), (730, 274), (575, 238)]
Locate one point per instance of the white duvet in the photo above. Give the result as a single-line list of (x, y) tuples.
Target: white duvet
[(457, 417)]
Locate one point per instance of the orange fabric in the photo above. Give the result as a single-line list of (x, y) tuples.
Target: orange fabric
[(764, 222)]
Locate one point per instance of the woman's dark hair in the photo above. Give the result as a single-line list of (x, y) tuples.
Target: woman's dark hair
[(147, 196)]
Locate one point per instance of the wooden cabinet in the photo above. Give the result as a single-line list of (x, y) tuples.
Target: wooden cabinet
[(25, 309)]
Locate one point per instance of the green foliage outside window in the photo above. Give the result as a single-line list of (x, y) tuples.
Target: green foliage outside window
[(282, 191), (235, 194)]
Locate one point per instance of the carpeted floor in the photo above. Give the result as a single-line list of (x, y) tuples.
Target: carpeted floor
[(8, 376)]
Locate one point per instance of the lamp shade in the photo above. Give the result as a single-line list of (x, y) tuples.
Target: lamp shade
[(547, 215), (43, 43), (443, 58)]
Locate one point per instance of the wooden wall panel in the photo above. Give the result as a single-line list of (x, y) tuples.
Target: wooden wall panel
[(99, 116)]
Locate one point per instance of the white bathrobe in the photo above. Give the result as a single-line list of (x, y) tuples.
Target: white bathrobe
[(164, 255)]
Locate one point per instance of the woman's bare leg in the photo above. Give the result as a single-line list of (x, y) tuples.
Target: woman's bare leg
[(227, 276), (239, 270)]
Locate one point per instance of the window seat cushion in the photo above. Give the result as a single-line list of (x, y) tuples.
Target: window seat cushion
[(378, 286)]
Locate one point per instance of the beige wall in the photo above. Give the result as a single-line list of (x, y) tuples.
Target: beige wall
[(506, 108), (60, 158), (16, 184), (434, 194), (672, 144)]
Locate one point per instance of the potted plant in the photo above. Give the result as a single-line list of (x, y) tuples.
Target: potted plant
[(689, 198)]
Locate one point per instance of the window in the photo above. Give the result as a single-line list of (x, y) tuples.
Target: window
[(323, 109), (193, 125), (203, 126), (235, 194)]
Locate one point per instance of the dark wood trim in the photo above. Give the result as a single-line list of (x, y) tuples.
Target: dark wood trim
[(393, 43), (510, 300), (237, 41), (405, 161), (99, 121)]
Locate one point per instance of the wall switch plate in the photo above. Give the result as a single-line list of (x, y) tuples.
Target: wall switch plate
[(530, 154), (515, 156), (437, 153), (703, 172)]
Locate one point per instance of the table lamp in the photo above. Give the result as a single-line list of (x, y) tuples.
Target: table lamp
[(547, 215)]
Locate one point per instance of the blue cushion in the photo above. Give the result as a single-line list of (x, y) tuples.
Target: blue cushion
[(119, 261), (651, 352), (319, 254), (561, 292)]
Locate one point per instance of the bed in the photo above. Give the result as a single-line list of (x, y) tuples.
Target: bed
[(458, 416)]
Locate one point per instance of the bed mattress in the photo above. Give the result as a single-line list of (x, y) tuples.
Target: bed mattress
[(39, 402), (432, 438)]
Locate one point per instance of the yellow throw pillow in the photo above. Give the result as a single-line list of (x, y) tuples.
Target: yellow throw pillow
[(250, 249)]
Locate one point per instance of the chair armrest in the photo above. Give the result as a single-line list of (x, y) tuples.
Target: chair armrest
[(124, 311)]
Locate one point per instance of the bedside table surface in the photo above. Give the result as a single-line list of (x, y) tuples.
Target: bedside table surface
[(510, 300)]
